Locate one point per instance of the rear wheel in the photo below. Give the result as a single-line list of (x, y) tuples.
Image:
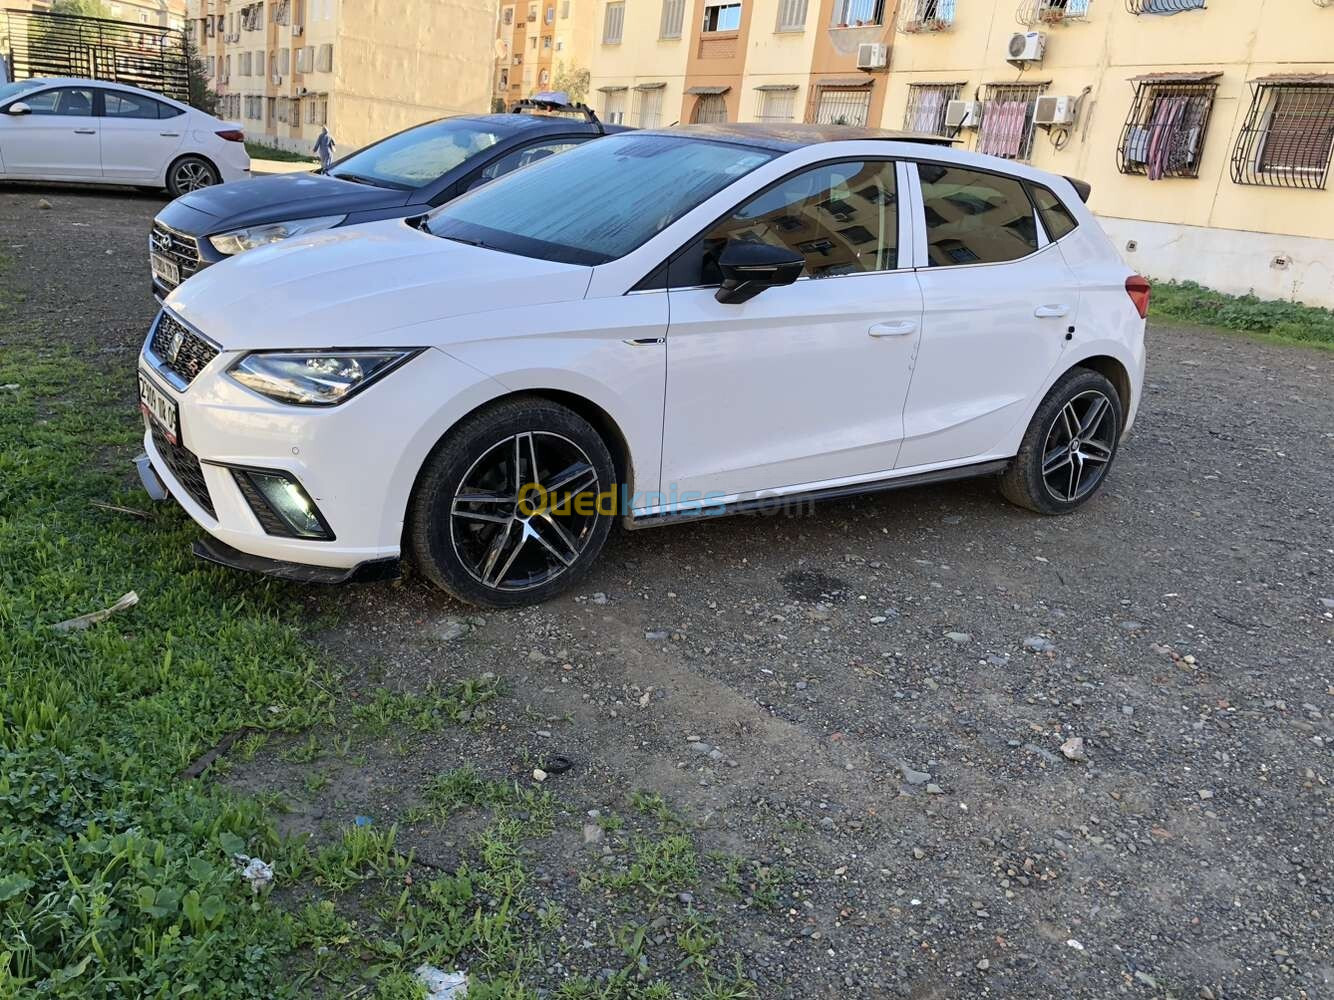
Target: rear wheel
[(1068, 447), (515, 504), (190, 173)]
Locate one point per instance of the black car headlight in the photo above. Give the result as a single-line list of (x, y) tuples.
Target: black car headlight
[(316, 378)]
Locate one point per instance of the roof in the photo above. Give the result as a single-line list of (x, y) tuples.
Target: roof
[(1317, 79), (539, 122), (791, 135), (1202, 77)]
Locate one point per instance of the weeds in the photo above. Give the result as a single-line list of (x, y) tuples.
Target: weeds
[(1287, 321)]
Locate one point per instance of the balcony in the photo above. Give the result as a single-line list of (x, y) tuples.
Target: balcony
[(920, 16), (1052, 12)]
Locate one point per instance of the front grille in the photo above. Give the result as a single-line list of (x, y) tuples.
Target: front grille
[(177, 247), (190, 356), (183, 465)]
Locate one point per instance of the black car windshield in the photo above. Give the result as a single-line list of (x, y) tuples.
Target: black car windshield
[(9, 91), (599, 201), (415, 158)]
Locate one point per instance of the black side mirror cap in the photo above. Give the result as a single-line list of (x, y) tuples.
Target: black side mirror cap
[(750, 268)]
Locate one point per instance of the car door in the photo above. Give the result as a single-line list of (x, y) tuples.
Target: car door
[(56, 139), (804, 383), (998, 301), (139, 136)]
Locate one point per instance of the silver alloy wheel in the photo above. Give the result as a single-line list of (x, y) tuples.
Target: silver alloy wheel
[(192, 175), (514, 520), (1079, 446)]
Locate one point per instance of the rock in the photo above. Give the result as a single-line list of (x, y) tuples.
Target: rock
[(599, 598), (592, 833), (914, 777), (918, 853), (1073, 749), (1207, 994), (450, 629), (1127, 710), (1205, 794), (1042, 752), (539, 774), (879, 620), (801, 685), (702, 748), (959, 637), (685, 897), (42, 203), (983, 965), (536, 656), (1000, 660), (1075, 944), (934, 789), (657, 635), (1131, 626), (1146, 979), (1039, 644)]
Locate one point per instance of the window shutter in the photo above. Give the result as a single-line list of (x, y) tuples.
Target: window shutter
[(792, 15), (673, 15)]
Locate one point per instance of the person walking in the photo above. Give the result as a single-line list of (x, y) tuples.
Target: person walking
[(324, 148)]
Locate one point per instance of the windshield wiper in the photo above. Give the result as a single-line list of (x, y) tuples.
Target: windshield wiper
[(372, 181), (471, 243)]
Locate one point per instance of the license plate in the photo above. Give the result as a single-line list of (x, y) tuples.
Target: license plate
[(164, 270), (159, 408)]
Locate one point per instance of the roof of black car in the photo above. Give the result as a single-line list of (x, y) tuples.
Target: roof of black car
[(794, 135), (531, 122)]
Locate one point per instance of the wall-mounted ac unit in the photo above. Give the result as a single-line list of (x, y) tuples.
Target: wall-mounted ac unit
[(301, 91), (1026, 47), (277, 80), (1054, 111), (962, 114), (872, 55), (297, 30)]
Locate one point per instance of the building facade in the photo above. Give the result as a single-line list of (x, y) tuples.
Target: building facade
[(287, 68), (158, 13), (1206, 131), (541, 45)]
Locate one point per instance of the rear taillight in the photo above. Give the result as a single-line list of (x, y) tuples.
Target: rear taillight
[(232, 135), (1138, 290)]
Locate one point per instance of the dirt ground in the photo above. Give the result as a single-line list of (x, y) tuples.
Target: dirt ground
[(867, 704)]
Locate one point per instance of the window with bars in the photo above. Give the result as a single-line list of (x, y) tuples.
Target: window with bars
[(647, 112), (1164, 131), (1287, 137), (721, 15), (709, 109), (777, 104), (507, 16), (1006, 129), (673, 17), (1052, 11), (613, 107), (613, 24), (792, 15), (842, 105), (854, 13), (1163, 6), (927, 15), (927, 103), (305, 59)]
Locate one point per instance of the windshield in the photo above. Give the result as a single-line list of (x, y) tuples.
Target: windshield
[(9, 91), (415, 158), (597, 202)]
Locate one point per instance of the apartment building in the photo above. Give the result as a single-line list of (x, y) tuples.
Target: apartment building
[(364, 68), (157, 13), (540, 45), (1205, 129)]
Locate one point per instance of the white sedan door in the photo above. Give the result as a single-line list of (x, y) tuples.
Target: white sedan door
[(139, 137), (804, 384), (56, 140)]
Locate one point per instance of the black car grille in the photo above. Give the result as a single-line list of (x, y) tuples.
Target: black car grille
[(183, 250), (190, 358), (183, 465)]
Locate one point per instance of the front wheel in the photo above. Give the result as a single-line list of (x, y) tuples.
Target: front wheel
[(514, 505), (190, 173), (1068, 447)]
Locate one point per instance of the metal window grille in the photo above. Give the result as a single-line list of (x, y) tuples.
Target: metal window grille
[(613, 107), (1052, 11), (777, 105), (792, 15), (927, 103), (1288, 134), (1006, 129), (926, 15), (613, 25), (673, 17), (1164, 131), (709, 109), (854, 12), (507, 16), (842, 106), (1163, 6), (647, 112)]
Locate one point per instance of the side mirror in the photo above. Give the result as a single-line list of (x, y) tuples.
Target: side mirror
[(750, 268), (18, 108)]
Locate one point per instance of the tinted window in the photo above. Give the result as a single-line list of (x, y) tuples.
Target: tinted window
[(974, 217), (523, 157), (118, 104), (599, 201), (9, 91), (842, 217), (1056, 218), (64, 101), (415, 158)]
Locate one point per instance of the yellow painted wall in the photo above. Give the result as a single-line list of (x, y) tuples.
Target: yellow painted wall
[(642, 57), (774, 56)]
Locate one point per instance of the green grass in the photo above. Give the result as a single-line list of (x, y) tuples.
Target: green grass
[(260, 151), (1288, 322)]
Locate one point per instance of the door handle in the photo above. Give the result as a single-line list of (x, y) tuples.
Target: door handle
[(170, 135), (1055, 311), (85, 131), (899, 328)]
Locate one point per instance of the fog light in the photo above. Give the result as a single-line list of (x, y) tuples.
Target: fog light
[(281, 504)]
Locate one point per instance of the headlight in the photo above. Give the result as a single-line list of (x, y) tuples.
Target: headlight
[(239, 240), (324, 378)]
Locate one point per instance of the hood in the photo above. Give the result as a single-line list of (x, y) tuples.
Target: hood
[(281, 197), (364, 286)]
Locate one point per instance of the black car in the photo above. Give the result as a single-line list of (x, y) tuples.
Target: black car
[(405, 174)]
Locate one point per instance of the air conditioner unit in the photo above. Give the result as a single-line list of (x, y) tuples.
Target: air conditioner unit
[(1026, 46), (962, 114), (301, 91), (277, 79), (297, 29), (872, 55), (1054, 111)]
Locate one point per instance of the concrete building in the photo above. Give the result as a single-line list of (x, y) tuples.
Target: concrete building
[(158, 13), (541, 45), (366, 68), (1206, 132)]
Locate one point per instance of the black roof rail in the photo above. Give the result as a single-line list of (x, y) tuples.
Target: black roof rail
[(559, 102)]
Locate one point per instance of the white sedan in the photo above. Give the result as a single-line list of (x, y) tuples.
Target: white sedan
[(657, 326), (95, 132)]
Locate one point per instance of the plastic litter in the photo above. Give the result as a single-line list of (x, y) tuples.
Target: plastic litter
[(126, 602), (258, 873), (441, 985), (362, 820)]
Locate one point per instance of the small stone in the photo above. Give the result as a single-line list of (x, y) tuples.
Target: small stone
[(599, 598), (801, 685), (536, 656), (1131, 626), (1039, 644), (1328, 602), (657, 635), (879, 620), (934, 789), (1075, 944), (450, 629), (43, 203), (685, 897), (701, 748), (1205, 794), (1073, 749), (592, 833), (983, 965), (918, 853), (913, 777), (1000, 660), (959, 637), (1207, 994), (1146, 979), (539, 774)]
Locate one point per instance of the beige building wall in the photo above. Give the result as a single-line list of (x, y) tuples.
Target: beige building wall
[(642, 58)]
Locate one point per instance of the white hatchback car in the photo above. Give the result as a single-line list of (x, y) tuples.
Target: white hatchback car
[(656, 326), (95, 132)]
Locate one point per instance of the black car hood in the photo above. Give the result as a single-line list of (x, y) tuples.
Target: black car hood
[(279, 198)]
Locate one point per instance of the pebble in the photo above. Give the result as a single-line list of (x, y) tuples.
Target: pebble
[(959, 637), (1131, 626), (1075, 944), (983, 965), (1073, 748), (592, 833), (657, 635), (918, 853), (1001, 660), (450, 629), (1039, 644), (685, 897), (699, 747), (539, 774), (599, 598), (1205, 794), (1328, 602), (1146, 979), (914, 777), (43, 203), (934, 789)]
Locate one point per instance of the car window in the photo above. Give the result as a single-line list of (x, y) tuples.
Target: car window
[(119, 104), (62, 101), (842, 217), (517, 158), (415, 158), (10, 91), (975, 217), (1056, 218)]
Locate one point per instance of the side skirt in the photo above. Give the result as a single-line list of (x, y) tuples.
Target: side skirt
[(756, 505)]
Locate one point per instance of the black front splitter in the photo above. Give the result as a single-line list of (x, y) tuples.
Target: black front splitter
[(372, 571)]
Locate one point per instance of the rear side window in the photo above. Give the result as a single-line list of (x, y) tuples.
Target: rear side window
[(975, 217), (119, 104), (1056, 218)]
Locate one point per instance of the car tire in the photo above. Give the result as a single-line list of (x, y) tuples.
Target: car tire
[(190, 173), (476, 532), (1069, 445)]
